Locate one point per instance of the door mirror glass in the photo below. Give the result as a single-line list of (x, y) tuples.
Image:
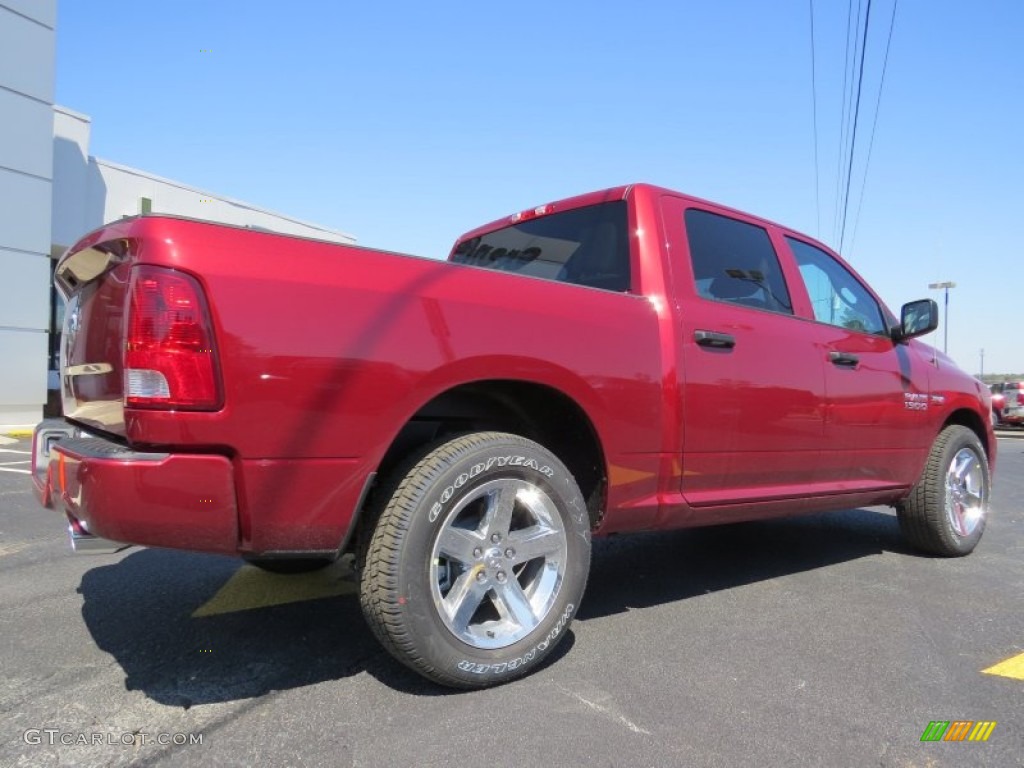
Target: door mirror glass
[(918, 318)]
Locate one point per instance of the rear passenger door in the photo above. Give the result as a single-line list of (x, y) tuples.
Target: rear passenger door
[(752, 384)]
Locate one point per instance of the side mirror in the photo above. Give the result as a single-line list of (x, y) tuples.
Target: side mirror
[(917, 318)]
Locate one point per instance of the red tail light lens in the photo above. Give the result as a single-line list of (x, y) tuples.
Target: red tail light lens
[(169, 360)]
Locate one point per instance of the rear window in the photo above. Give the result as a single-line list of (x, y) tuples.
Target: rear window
[(585, 246)]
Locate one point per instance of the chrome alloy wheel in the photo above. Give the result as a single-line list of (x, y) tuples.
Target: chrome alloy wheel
[(498, 563), (966, 494)]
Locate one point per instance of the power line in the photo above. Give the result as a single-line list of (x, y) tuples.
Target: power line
[(874, 124), (848, 94), (853, 42), (814, 102), (842, 120), (856, 117)]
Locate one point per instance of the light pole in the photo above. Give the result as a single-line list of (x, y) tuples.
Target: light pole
[(945, 312)]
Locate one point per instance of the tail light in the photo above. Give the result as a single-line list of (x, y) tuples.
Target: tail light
[(169, 359)]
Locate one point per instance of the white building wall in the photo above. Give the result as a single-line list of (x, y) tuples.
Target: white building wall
[(89, 192), (26, 172), (124, 188), (71, 220), (52, 191)]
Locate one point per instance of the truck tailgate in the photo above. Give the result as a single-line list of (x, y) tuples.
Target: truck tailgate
[(94, 282)]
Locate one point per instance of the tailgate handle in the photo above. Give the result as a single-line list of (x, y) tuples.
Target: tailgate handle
[(714, 339), (843, 359)]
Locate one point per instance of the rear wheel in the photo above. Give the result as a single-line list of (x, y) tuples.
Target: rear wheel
[(946, 512), (478, 561)]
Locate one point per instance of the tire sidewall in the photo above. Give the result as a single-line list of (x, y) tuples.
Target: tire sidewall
[(960, 439), (500, 458)]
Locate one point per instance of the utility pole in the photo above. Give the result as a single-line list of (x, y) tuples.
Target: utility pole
[(945, 286)]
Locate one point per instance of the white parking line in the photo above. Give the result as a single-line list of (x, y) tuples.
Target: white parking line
[(19, 471), (11, 450)]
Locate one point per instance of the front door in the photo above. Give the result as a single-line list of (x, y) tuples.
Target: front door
[(877, 390)]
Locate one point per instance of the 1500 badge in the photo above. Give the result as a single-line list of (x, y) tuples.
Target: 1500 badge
[(915, 401)]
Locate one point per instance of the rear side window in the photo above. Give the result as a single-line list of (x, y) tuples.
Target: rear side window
[(586, 246), (734, 261)]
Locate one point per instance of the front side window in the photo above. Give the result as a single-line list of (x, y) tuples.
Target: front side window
[(837, 296), (586, 246), (734, 261)]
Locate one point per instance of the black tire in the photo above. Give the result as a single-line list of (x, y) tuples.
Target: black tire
[(440, 544), (289, 566), (945, 513)]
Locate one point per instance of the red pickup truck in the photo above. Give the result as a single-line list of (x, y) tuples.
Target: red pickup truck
[(628, 360)]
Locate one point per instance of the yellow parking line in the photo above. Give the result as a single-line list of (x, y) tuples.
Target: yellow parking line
[(251, 588), (1013, 668)]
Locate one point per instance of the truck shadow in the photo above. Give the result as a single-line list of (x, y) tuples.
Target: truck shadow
[(192, 629), (644, 570)]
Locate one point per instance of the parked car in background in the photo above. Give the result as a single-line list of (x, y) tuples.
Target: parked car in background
[(998, 402), (1008, 402)]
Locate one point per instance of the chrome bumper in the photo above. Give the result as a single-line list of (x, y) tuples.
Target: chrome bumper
[(46, 434)]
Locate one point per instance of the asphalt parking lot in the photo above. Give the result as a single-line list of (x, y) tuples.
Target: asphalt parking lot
[(811, 641)]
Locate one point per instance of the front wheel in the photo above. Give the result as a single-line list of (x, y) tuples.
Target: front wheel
[(946, 511), (478, 561)]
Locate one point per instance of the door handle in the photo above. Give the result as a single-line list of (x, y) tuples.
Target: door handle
[(714, 339), (843, 359)]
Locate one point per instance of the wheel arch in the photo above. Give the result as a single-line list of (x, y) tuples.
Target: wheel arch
[(966, 417), (533, 410)]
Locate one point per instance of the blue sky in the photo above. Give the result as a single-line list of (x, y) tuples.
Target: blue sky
[(407, 123)]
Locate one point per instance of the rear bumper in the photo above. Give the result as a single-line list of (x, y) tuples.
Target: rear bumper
[(181, 501)]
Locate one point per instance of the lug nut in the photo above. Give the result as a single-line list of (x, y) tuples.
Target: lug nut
[(495, 537), (481, 577), (501, 577), (510, 553), (477, 552)]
